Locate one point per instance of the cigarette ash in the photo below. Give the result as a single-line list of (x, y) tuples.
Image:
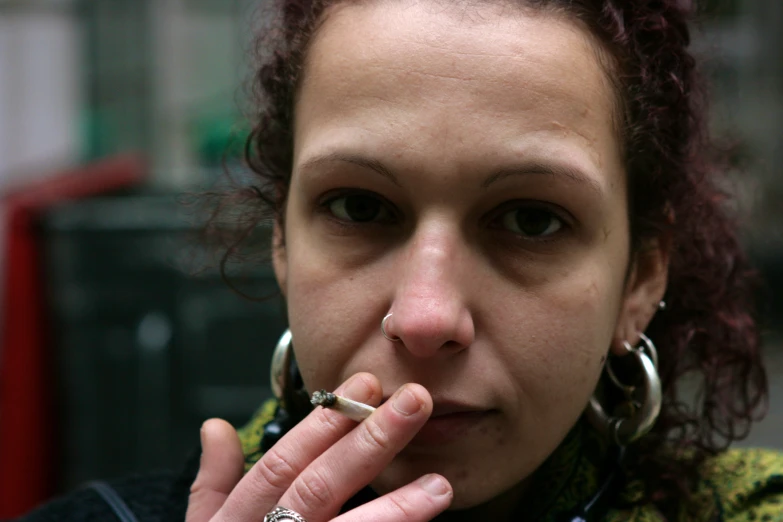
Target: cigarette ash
[(323, 398)]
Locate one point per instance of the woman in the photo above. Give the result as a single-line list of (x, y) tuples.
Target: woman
[(480, 208)]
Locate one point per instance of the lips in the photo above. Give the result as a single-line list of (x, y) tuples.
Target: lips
[(440, 409), (449, 422), (450, 427), (446, 407)]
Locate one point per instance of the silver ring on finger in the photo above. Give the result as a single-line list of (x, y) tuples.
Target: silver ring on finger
[(281, 514)]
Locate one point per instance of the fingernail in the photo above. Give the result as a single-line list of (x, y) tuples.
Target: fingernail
[(355, 389), (406, 402), (435, 485), (202, 437)]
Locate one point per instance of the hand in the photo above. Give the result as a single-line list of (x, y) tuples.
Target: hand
[(320, 464)]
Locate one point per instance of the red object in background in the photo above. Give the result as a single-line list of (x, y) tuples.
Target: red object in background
[(28, 470)]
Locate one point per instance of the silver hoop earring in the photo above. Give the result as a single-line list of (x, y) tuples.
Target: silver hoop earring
[(383, 329), (648, 349), (633, 418), (293, 401), (281, 362), (285, 379)]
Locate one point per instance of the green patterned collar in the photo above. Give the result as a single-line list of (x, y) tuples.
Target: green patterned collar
[(569, 478)]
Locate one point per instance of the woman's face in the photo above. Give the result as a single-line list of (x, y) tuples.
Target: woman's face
[(460, 168)]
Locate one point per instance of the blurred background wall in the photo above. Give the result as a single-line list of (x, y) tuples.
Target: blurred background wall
[(40, 89), (137, 349)]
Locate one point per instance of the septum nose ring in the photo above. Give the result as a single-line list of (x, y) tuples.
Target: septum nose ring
[(383, 329)]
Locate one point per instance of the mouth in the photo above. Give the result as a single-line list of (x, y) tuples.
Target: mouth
[(451, 421)]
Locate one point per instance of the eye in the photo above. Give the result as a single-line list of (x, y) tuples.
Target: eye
[(359, 208), (531, 222)]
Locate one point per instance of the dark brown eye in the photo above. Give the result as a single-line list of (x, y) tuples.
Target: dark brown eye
[(359, 208), (532, 222)]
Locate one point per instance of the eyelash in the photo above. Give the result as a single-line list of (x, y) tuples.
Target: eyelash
[(495, 221), (327, 202)]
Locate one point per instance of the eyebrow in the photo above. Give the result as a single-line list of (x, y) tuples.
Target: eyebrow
[(564, 171), (354, 159)]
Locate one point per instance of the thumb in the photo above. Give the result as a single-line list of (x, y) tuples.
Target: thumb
[(221, 468)]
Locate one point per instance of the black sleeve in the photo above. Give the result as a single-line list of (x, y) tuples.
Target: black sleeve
[(154, 497), (148, 496)]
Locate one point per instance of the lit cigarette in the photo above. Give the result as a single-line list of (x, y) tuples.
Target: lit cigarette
[(353, 410)]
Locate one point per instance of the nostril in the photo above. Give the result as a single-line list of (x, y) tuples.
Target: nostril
[(453, 346)]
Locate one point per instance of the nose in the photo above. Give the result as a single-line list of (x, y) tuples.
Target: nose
[(429, 309)]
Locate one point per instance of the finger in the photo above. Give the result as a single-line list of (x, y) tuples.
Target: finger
[(419, 501), (221, 468), (273, 474), (352, 462)]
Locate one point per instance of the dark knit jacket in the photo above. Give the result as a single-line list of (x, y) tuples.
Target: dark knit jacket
[(153, 497)]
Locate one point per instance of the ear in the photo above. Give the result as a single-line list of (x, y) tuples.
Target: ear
[(279, 258), (644, 289)]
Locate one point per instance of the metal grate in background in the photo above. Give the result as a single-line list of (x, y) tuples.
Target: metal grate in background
[(145, 351)]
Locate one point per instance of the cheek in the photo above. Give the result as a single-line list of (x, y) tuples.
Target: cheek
[(581, 307), (317, 322), (332, 312), (562, 337), (585, 312)]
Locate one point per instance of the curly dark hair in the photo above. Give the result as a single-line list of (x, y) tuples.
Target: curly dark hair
[(708, 331)]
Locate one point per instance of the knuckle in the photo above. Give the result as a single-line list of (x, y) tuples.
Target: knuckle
[(196, 488), (275, 470), (403, 508), (330, 420), (313, 490), (375, 436)]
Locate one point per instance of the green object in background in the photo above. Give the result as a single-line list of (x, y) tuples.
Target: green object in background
[(220, 139), (97, 138)]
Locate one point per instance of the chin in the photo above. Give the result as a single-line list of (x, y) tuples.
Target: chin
[(473, 485), (467, 497), (474, 491)]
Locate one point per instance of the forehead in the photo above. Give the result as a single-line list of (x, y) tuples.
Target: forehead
[(484, 72)]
